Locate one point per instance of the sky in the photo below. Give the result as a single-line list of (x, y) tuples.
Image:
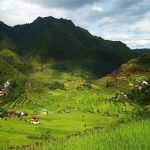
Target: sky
[(118, 20)]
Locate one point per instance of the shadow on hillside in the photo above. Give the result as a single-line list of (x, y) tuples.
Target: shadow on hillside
[(86, 69)]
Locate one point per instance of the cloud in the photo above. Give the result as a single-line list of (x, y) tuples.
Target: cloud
[(125, 20), (18, 12), (69, 4), (97, 8)]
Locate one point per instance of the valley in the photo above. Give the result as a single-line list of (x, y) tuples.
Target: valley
[(83, 95)]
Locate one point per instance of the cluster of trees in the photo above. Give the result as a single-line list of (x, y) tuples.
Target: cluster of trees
[(141, 92), (55, 86)]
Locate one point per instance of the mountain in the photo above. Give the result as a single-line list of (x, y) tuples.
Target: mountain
[(60, 40), (54, 66), (144, 50), (5, 40), (129, 79), (139, 65)]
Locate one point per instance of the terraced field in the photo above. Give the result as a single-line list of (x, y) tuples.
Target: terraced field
[(90, 106), (127, 136), (88, 110)]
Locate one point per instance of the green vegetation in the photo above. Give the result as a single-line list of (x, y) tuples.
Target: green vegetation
[(89, 101), (71, 46), (127, 136), (85, 110), (55, 85)]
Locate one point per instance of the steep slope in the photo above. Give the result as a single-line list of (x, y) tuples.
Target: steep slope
[(60, 39), (132, 79), (13, 68), (138, 65), (89, 102), (5, 40)]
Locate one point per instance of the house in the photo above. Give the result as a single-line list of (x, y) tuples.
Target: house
[(44, 111), (6, 84), (2, 93), (23, 113), (12, 113), (17, 114), (114, 98), (34, 120), (67, 111), (125, 96), (144, 83)]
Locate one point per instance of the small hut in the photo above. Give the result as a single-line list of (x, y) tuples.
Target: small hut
[(67, 111), (44, 111), (12, 113), (34, 120), (2, 93), (23, 113)]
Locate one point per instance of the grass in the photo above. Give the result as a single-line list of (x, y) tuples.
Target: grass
[(133, 136), (90, 109), (59, 125), (13, 132)]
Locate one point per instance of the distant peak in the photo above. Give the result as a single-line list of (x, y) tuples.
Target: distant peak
[(2, 23), (43, 18), (66, 20), (39, 18), (50, 18)]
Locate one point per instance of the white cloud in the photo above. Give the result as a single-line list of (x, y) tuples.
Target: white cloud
[(18, 12), (142, 26), (114, 20), (97, 7), (143, 43)]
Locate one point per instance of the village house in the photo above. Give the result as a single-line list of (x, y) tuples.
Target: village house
[(2, 93), (34, 120), (143, 87), (144, 83), (119, 96), (67, 111), (23, 113), (6, 85), (44, 111), (4, 89), (11, 113)]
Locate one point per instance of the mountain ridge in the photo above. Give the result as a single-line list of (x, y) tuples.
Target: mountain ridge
[(48, 22), (59, 39)]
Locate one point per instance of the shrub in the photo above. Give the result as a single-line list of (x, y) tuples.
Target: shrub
[(17, 88), (139, 96), (85, 86), (56, 85)]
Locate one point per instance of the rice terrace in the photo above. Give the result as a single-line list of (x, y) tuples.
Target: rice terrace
[(63, 88)]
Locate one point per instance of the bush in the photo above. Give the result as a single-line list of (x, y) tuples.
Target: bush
[(17, 87), (85, 86), (110, 84), (139, 96), (46, 135), (55, 86)]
